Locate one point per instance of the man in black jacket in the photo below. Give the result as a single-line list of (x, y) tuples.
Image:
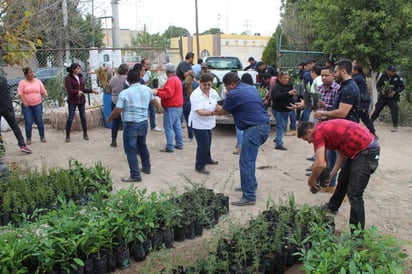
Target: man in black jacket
[(389, 85), (7, 111)]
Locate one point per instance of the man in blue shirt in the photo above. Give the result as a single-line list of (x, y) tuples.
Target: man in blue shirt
[(249, 114), (133, 105)]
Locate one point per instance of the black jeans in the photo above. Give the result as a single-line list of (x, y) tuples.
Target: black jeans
[(392, 103), (10, 117), (352, 180), (115, 124), (364, 117), (82, 114), (204, 142)]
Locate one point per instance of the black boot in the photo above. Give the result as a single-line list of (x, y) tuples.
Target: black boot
[(114, 142), (67, 135), (85, 135)]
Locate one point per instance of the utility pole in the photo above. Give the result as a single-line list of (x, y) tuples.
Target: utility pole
[(197, 33), (115, 24), (65, 23), (93, 36)]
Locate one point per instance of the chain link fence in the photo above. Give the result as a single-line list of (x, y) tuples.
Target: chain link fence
[(50, 67)]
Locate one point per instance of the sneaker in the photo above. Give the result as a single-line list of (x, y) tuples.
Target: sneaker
[(146, 171), (311, 158), (166, 150), (290, 133), (156, 129), (28, 142), (326, 208), (236, 151), (43, 140), (25, 149), (243, 202), (328, 189), (395, 129), (188, 140), (131, 180), (280, 147), (203, 171), (178, 147)]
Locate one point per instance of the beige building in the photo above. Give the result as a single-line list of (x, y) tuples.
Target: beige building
[(242, 46), (125, 37)]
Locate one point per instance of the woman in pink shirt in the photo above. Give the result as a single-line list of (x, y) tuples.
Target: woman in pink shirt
[(31, 91)]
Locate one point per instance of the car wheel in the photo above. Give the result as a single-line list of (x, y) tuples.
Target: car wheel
[(13, 92)]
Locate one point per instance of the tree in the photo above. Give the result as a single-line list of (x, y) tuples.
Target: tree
[(372, 32), (212, 31), (29, 25), (15, 27), (174, 31), (151, 45), (295, 25), (270, 53)]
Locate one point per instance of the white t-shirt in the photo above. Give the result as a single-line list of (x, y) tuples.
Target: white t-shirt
[(199, 101), (318, 82), (146, 76)]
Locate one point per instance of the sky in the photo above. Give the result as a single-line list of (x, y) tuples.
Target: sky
[(231, 16)]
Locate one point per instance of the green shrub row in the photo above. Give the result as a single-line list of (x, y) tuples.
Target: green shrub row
[(70, 236), (24, 192), (287, 234)]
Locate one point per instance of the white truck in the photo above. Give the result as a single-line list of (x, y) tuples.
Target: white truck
[(220, 65)]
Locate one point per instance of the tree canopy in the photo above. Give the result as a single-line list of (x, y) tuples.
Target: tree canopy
[(372, 32), (27, 25)]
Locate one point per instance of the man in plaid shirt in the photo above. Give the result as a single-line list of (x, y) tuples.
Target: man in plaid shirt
[(329, 89), (328, 92)]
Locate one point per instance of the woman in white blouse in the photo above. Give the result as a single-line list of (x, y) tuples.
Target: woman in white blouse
[(202, 120)]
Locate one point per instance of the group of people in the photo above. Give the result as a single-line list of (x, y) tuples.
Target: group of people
[(32, 92), (340, 143)]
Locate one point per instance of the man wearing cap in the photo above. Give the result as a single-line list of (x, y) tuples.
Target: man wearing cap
[(185, 66), (389, 85), (171, 96), (205, 69), (263, 69), (252, 64)]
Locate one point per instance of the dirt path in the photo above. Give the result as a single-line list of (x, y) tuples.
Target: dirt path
[(387, 197)]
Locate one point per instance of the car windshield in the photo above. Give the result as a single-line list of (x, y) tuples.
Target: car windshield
[(46, 72), (227, 63)]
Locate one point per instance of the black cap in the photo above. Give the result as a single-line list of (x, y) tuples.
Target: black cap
[(391, 68), (259, 64)]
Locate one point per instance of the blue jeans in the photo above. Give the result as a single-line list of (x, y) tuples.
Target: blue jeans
[(352, 180), (173, 127), (306, 114), (292, 117), (186, 112), (331, 156), (281, 124), (10, 118), (253, 137), (239, 137), (204, 142), (134, 139), (82, 114), (152, 116), (115, 124), (33, 114)]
